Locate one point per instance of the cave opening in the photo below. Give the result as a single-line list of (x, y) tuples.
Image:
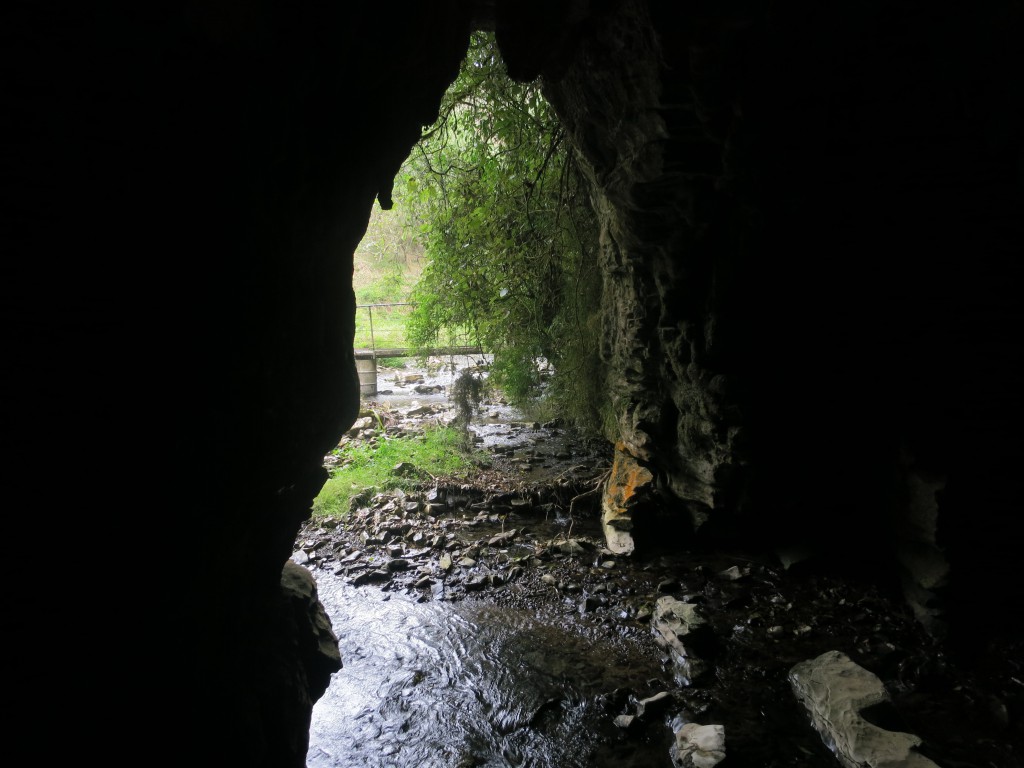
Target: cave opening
[(494, 204), (809, 237)]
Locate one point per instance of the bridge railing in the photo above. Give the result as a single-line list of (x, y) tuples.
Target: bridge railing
[(381, 332), (382, 326)]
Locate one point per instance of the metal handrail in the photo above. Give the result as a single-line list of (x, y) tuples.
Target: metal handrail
[(369, 307), (404, 351)]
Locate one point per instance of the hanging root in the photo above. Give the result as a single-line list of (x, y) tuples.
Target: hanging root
[(598, 484)]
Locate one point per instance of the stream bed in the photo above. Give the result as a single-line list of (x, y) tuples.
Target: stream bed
[(488, 627), (454, 682), (439, 684)]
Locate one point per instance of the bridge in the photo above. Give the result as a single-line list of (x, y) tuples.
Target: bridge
[(366, 353), (366, 361), (385, 337)]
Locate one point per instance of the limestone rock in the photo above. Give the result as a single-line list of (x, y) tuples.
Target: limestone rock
[(653, 705), (629, 484), (322, 657), (672, 621), (698, 746), (835, 690)]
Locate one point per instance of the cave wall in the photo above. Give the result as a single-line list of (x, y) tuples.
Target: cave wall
[(185, 186), (811, 238)]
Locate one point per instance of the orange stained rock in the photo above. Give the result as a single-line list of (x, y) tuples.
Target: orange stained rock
[(628, 479)]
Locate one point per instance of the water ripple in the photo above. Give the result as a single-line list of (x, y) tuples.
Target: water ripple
[(441, 684)]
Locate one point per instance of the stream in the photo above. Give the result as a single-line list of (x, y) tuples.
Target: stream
[(445, 684), (438, 685), (507, 636)]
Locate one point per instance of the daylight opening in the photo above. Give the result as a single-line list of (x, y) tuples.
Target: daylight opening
[(490, 246)]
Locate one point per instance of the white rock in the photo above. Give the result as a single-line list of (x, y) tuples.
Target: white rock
[(698, 746), (835, 690), (673, 620)]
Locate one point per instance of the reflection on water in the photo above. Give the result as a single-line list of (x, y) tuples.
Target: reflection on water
[(443, 685)]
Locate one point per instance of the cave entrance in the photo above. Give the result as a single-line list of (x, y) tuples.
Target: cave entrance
[(490, 244)]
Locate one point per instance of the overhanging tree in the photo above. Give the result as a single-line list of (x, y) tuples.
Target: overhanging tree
[(510, 238)]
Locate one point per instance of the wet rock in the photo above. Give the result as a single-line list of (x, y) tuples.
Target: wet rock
[(371, 577), (698, 746), (625, 721), (672, 621), (417, 410), (476, 583), (731, 574), (571, 547), (396, 530), (502, 538), (836, 691), (653, 706), (629, 485)]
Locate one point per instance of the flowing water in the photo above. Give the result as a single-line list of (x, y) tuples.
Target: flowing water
[(471, 683), (510, 680), (478, 682)]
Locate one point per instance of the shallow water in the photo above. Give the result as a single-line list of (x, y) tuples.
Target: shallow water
[(524, 448), (439, 684)]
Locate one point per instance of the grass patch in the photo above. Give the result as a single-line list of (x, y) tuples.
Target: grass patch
[(365, 468), (382, 327)]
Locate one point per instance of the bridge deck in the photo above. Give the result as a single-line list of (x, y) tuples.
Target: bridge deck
[(369, 354)]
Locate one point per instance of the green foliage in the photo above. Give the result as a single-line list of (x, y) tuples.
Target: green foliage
[(370, 468), (466, 392), (388, 285), (510, 238)]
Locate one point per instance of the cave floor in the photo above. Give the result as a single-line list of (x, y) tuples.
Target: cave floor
[(765, 619), (524, 535)]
